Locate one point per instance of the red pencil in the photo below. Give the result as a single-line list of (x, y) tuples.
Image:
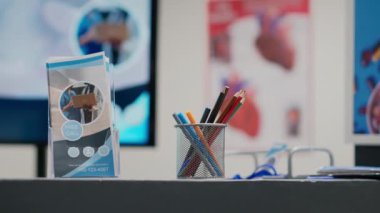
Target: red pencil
[(228, 107), (240, 100), (227, 114)]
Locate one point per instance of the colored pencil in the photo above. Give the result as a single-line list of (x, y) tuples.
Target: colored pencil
[(193, 164), (205, 115), (240, 100), (211, 117), (237, 109), (208, 136), (231, 111), (211, 136), (200, 144), (218, 105), (228, 107), (191, 149), (187, 131), (199, 132)]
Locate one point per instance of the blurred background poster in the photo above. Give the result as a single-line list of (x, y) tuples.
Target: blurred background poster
[(264, 47), (365, 91), (33, 31)]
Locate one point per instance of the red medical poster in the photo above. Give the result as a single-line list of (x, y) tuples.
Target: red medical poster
[(263, 46)]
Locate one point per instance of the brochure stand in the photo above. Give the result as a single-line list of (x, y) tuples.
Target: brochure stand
[(83, 140)]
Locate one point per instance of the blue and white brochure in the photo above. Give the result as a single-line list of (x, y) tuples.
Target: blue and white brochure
[(82, 139)]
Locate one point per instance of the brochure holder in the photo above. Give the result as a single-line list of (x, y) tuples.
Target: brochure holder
[(83, 140)]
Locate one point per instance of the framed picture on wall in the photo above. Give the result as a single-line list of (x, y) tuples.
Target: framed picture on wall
[(124, 29), (363, 73), (264, 48)]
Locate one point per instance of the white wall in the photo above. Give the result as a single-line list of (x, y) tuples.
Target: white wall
[(330, 27), (17, 161), (181, 63)]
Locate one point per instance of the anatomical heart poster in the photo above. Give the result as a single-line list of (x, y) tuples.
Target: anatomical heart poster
[(262, 46)]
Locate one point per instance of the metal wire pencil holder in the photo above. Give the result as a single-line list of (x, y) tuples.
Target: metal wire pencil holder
[(200, 150)]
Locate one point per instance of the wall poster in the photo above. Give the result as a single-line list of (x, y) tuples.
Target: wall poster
[(264, 47)]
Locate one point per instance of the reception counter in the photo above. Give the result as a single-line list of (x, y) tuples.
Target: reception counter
[(105, 196)]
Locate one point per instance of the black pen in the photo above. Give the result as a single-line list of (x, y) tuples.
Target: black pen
[(205, 115), (218, 105)]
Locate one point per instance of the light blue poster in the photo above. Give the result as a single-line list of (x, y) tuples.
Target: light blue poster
[(366, 86)]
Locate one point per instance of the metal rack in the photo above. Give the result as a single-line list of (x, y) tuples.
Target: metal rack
[(290, 155)]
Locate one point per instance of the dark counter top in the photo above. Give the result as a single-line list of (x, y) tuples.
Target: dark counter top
[(115, 195)]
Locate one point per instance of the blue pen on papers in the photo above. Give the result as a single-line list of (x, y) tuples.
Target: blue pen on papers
[(265, 170)]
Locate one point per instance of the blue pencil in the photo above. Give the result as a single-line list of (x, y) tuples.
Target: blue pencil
[(199, 144), (193, 142)]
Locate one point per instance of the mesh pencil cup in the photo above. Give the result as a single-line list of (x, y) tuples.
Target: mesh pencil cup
[(200, 150)]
